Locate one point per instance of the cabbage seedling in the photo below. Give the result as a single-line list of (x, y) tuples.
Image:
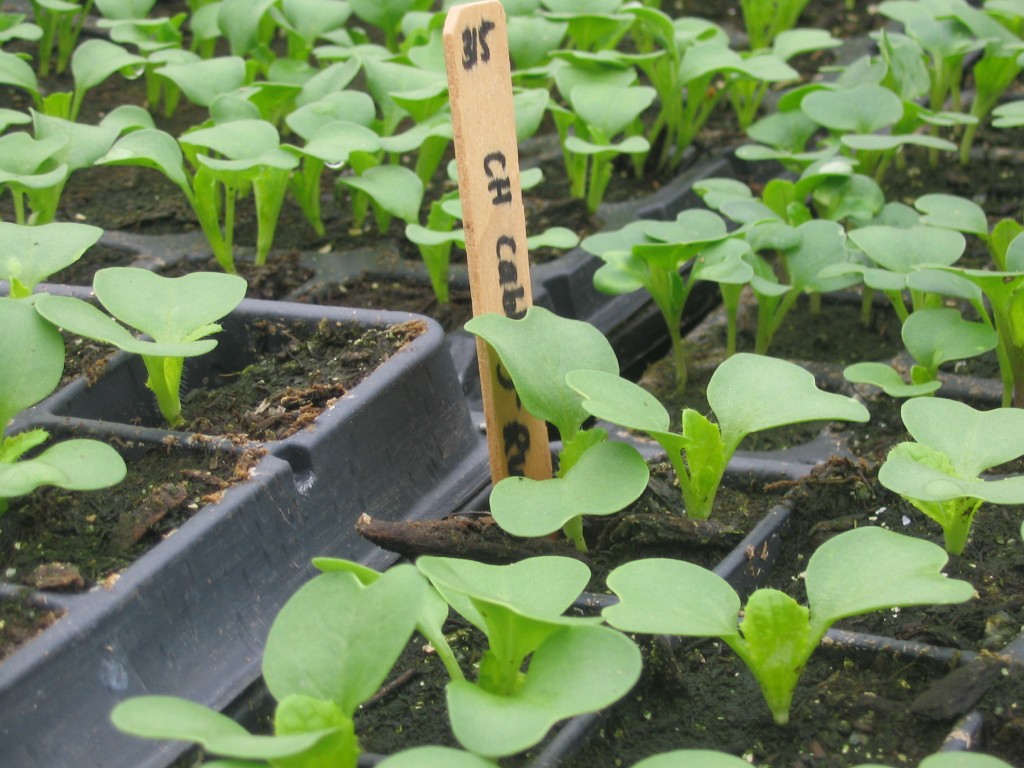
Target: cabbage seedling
[(765, 20), (933, 336), (435, 240), (747, 393), (603, 112), (858, 571), (575, 665), (31, 363), (1002, 288), (177, 313), (252, 158), (896, 252), (32, 254), (329, 650), (61, 22), (650, 255), (595, 476), (940, 473)]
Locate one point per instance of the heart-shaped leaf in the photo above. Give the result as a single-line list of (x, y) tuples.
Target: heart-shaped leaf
[(606, 478), (342, 654)]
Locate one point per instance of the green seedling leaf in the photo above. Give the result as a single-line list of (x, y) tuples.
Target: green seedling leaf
[(176, 313), (689, 596), (938, 335), (973, 440), (575, 666), (170, 310), (608, 110), (339, 106), (84, 319), (167, 717), (151, 148), (888, 380), (749, 393), (433, 612), (396, 189), (577, 669), (33, 254), (538, 351), (346, 654), (239, 21), (862, 109), (953, 212), (903, 571), (903, 250), (204, 80), (77, 465), (692, 758), (539, 587), (605, 479), (31, 358)]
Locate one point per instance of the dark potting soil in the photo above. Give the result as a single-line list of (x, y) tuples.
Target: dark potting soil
[(60, 540), (375, 291), (847, 710), (21, 620), (298, 372)]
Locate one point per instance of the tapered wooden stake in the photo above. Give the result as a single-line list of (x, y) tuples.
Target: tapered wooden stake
[(487, 156)]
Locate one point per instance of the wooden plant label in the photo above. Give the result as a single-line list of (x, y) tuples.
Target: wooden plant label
[(487, 156)]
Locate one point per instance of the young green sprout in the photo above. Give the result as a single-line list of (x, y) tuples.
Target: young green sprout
[(941, 472), (595, 476), (329, 650), (176, 313), (652, 254), (249, 157), (575, 665), (933, 336), (747, 393), (858, 571), (31, 363)]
